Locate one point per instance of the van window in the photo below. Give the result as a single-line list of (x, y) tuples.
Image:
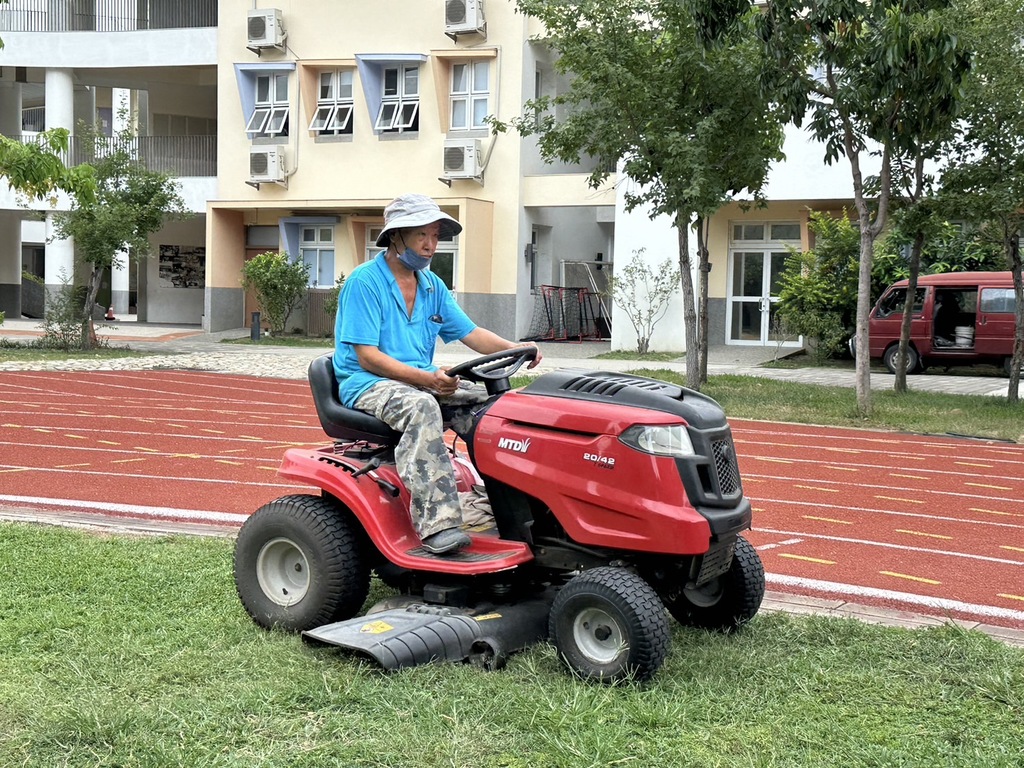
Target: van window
[(896, 299), (997, 300)]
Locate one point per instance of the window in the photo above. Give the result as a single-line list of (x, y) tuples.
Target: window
[(400, 100), (316, 247), (748, 232), (271, 107), (334, 106), (896, 299), (997, 300), (761, 232), (470, 94)]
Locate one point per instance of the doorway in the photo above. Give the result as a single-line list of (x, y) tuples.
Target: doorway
[(753, 296)]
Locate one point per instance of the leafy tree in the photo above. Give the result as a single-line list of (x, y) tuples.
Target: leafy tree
[(818, 288), (130, 204), (280, 286), (669, 89), (37, 170), (881, 73), (984, 174), (644, 295)]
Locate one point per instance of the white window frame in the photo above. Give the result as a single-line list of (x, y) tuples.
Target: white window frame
[(399, 106), (470, 95), (450, 246), (321, 239), (335, 105), (272, 110)]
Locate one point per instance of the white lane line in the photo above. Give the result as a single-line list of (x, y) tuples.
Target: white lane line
[(903, 547), (786, 543), (127, 509), (892, 512), (799, 483), (940, 603)]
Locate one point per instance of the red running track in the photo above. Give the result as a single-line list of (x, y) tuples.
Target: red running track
[(930, 524)]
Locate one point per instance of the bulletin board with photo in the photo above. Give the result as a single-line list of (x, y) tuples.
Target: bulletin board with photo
[(183, 266)]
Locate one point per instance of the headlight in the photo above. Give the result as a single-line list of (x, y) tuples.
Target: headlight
[(659, 440)]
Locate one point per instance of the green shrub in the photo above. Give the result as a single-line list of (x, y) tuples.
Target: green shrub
[(331, 300), (62, 318), (818, 288), (280, 286)]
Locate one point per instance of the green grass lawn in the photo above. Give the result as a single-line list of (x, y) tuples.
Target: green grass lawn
[(124, 651)]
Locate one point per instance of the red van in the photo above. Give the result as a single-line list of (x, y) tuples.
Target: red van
[(960, 318)]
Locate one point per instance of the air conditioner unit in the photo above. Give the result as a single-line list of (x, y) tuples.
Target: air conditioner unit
[(462, 159), (265, 28), (463, 16), (266, 164)]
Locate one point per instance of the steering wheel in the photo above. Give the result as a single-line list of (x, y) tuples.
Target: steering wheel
[(494, 370)]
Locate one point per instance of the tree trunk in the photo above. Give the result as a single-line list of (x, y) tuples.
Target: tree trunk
[(689, 313), (702, 311), (1013, 390), (88, 331), (900, 383), (868, 231)]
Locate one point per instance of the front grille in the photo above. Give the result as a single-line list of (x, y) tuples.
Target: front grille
[(725, 467)]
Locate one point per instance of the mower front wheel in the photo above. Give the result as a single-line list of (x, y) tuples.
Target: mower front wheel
[(608, 625), (727, 602), (300, 563)]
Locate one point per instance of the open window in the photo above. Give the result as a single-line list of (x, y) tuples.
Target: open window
[(391, 85), (334, 105), (265, 93)]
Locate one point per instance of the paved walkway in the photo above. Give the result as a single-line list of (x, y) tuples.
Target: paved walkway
[(188, 347)]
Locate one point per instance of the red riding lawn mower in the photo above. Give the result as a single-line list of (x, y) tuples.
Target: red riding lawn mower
[(614, 497)]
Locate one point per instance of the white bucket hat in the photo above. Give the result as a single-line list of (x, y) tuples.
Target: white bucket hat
[(414, 211)]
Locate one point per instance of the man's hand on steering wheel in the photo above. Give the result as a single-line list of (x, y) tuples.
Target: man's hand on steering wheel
[(442, 384)]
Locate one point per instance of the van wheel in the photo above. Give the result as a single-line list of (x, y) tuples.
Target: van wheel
[(913, 361)]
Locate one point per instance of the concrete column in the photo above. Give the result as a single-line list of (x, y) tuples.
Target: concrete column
[(10, 108), (10, 221), (60, 99), (10, 264), (119, 284), (59, 113), (60, 259)]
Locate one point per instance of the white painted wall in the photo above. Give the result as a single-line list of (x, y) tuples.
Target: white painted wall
[(639, 230)]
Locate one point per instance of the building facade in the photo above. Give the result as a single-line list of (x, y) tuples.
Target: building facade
[(104, 63), (328, 111), (290, 124)]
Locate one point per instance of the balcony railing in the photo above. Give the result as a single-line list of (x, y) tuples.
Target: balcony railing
[(173, 155), (105, 15)]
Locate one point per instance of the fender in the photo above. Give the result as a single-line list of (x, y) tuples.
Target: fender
[(386, 518)]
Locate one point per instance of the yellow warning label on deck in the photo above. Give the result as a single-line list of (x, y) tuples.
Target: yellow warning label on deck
[(376, 628)]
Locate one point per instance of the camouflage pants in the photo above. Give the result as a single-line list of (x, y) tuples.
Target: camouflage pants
[(421, 455)]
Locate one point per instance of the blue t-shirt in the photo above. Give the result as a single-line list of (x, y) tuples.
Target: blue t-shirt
[(371, 311)]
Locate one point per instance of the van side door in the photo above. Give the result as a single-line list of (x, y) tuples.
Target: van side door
[(887, 318), (994, 331)]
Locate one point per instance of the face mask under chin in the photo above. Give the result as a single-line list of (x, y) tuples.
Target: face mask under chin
[(412, 260)]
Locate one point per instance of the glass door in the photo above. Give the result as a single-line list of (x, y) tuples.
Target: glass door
[(753, 294)]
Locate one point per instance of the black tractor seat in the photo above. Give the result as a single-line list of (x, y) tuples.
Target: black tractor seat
[(339, 422)]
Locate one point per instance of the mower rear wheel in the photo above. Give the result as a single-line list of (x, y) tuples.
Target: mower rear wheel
[(608, 624), (725, 603), (300, 564)]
